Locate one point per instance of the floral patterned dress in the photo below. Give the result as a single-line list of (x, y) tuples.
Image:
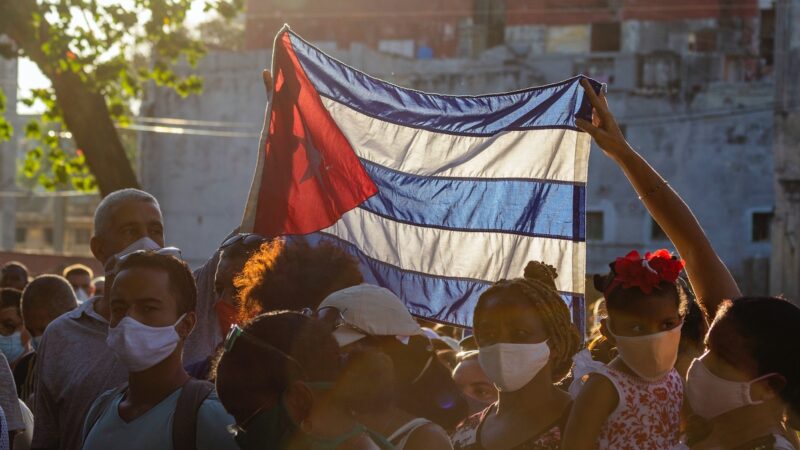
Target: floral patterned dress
[(648, 414), (468, 435)]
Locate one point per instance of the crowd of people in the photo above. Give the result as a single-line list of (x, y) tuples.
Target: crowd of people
[(275, 343)]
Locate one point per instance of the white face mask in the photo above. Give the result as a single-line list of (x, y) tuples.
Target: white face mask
[(512, 366), (651, 356), (711, 396), (141, 347), (144, 243)]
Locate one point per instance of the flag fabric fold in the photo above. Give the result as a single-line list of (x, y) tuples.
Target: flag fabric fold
[(437, 196)]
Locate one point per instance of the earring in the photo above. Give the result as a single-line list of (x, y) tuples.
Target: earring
[(306, 426)]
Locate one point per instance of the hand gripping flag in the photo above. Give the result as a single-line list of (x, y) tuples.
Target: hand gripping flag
[(437, 196)]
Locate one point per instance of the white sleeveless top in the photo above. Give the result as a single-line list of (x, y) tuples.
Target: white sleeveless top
[(648, 413), (400, 436)]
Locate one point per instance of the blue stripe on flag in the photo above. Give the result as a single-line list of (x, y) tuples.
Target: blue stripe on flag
[(443, 299), (537, 208), (550, 106)]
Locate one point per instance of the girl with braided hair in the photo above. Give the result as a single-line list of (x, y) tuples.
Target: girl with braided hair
[(526, 342)]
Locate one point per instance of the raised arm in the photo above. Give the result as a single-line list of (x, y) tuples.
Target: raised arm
[(710, 278)]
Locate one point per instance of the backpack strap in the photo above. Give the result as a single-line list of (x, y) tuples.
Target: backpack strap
[(184, 422), (103, 403)]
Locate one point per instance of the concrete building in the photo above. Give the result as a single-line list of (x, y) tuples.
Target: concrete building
[(702, 117), (786, 258)]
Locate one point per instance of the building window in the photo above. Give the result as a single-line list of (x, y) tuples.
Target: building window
[(761, 225), (82, 236), (656, 233), (659, 71), (595, 226), (21, 235), (606, 37), (48, 236), (767, 36)]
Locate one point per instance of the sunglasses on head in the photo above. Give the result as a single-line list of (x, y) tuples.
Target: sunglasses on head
[(334, 318), (243, 238), (166, 251)]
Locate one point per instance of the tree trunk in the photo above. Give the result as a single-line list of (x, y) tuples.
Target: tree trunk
[(88, 119), (84, 111)]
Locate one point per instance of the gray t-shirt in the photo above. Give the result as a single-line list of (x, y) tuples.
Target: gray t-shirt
[(8, 397), (153, 429), (74, 367)]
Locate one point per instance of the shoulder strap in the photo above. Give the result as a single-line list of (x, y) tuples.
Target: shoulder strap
[(184, 422), (103, 403)]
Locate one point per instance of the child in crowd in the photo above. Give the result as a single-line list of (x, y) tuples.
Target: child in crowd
[(637, 397), (526, 341), (749, 378)]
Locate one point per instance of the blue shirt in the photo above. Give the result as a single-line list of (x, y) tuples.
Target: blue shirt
[(153, 429)]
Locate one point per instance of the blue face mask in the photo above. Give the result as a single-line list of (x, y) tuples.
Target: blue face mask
[(11, 346), (35, 341)]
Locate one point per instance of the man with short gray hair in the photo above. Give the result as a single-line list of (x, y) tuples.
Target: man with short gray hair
[(75, 364)]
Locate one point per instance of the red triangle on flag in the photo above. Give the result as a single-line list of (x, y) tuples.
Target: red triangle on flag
[(311, 174)]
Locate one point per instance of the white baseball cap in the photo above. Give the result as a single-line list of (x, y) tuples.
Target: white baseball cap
[(370, 311)]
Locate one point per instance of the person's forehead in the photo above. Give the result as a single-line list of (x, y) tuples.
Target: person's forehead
[(79, 277), (13, 271), (9, 313), (657, 307), (138, 211), (509, 305), (141, 282)]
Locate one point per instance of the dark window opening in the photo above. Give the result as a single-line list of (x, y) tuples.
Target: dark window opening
[(606, 37), (21, 235), (767, 36), (595, 226), (761, 226), (656, 233)]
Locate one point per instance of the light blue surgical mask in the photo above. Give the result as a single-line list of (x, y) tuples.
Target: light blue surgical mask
[(35, 341), (11, 346)]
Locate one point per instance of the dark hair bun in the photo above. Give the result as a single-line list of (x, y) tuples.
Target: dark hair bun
[(600, 282), (541, 272)]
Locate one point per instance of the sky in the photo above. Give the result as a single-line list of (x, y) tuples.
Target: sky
[(30, 77)]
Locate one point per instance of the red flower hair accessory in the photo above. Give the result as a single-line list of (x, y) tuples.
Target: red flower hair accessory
[(644, 273)]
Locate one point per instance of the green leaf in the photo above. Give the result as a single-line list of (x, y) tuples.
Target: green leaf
[(33, 130)]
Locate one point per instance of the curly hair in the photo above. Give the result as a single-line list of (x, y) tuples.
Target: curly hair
[(291, 275), (538, 287)]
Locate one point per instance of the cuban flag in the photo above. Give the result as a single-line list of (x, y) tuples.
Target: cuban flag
[(437, 196)]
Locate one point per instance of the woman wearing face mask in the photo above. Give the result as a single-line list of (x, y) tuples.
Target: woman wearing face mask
[(526, 341), (749, 379), (375, 331), (13, 339), (277, 376)]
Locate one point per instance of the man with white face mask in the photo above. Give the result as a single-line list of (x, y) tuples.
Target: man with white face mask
[(80, 278), (75, 364), (153, 301)]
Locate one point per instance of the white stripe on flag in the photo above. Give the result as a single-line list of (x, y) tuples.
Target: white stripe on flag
[(548, 154), (458, 254)]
